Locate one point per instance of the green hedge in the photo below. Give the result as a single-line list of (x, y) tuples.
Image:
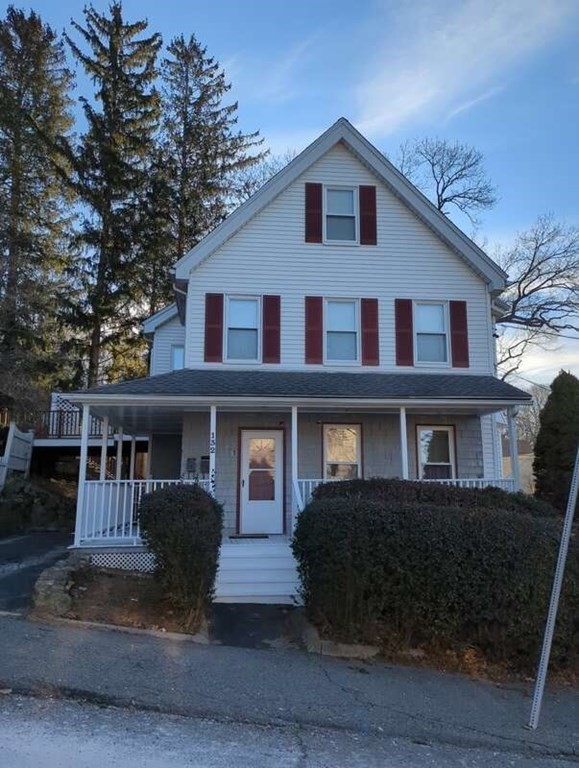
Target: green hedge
[(394, 491), (182, 526), (408, 575)]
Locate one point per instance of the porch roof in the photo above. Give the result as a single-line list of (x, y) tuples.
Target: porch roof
[(211, 384)]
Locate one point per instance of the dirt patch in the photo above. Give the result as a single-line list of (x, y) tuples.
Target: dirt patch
[(122, 598), (468, 660)]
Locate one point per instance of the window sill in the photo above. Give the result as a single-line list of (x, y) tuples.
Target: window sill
[(420, 364), (347, 243)]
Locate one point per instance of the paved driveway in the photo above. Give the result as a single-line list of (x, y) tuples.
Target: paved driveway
[(22, 560)]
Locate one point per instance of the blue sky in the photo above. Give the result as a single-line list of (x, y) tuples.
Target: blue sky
[(502, 75)]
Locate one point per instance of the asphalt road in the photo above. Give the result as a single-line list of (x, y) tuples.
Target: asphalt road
[(22, 560), (54, 733)]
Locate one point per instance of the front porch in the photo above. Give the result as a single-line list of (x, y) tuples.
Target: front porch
[(263, 466)]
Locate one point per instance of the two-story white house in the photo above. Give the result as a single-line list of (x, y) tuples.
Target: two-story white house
[(334, 326)]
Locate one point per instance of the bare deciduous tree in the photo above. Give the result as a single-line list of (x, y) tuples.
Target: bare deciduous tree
[(449, 174), (528, 418), (542, 293), (248, 180)]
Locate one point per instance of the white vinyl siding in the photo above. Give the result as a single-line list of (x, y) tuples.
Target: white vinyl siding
[(269, 256), (170, 334)]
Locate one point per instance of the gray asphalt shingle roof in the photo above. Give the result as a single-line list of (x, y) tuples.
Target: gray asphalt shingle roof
[(271, 384)]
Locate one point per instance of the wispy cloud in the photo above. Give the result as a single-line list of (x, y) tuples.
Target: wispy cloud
[(275, 81), (436, 58), (470, 103)]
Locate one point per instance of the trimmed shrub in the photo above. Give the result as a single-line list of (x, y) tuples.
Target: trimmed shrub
[(182, 526), (404, 575), (395, 491)]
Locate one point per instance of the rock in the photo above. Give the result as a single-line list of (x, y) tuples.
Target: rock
[(52, 589)]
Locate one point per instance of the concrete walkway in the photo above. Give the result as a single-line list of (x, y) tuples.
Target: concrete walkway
[(280, 687), (22, 560)]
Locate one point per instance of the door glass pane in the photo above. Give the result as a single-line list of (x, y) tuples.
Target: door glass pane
[(340, 228), (261, 485), (341, 315), (242, 313), (261, 453), (340, 201), (241, 344), (341, 346), (431, 348), (435, 446)]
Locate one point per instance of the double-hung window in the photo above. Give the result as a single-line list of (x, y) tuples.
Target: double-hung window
[(342, 331), (431, 331), (436, 453), (342, 451), (341, 223), (242, 333), (177, 357)]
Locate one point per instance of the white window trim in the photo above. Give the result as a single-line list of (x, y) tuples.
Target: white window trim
[(173, 348), (451, 445), (350, 300), (426, 363), (350, 188), (358, 427), (226, 357)]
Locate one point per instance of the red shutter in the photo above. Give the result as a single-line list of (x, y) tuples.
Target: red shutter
[(367, 215), (459, 334), (271, 329), (370, 346), (314, 330), (313, 213), (404, 332), (213, 327)]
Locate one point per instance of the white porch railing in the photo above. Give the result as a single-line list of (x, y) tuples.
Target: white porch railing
[(110, 509), (307, 487), (505, 483)]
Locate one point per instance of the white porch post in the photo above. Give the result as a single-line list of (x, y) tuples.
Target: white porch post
[(119, 462), (84, 432), (295, 484), (133, 457), (148, 458), (404, 443), (514, 448), (104, 447), (212, 447)]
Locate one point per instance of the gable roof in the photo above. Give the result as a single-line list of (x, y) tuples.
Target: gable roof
[(151, 324), (343, 131)]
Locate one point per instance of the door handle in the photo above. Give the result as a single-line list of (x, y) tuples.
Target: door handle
[(243, 483)]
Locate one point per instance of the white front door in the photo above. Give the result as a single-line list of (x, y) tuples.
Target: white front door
[(261, 480)]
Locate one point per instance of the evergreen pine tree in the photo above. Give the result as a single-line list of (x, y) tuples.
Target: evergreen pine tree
[(557, 441), (201, 146), (34, 205), (111, 171)]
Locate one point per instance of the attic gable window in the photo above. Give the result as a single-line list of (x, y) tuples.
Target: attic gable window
[(340, 219), (177, 357)]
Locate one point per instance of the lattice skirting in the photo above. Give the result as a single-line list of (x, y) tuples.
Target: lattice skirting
[(125, 561)]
